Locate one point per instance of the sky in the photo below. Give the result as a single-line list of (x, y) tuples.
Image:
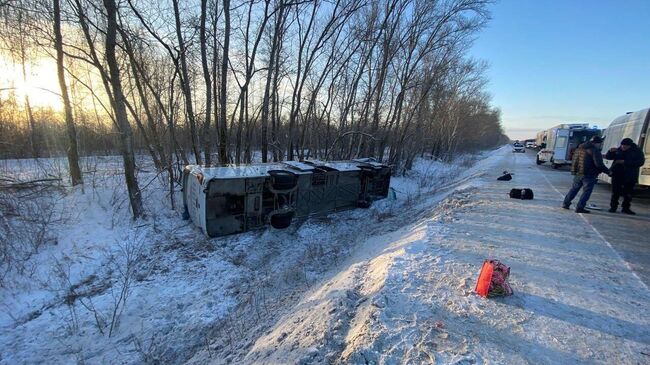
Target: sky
[(41, 86), (556, 61)]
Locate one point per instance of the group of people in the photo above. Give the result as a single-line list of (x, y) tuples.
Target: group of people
[(588, 164)]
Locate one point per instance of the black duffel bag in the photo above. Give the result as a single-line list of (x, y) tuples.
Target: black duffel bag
[(507, 176), (523, 194)]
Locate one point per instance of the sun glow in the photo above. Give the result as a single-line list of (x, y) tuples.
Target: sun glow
[(41, 83)]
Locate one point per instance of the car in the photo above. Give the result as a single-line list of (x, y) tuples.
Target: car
[(518, 147), (530, 144)]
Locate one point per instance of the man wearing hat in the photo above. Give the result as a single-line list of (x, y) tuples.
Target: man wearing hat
[(628, 159), (587, 164)]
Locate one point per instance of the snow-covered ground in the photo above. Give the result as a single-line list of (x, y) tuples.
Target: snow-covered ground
[(183, 291), (392, 284)]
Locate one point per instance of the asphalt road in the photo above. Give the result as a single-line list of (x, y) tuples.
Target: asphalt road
[(628, 235)]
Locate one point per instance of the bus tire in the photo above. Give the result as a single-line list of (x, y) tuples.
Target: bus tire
[(281, 220), (283, 180), (365, 204)]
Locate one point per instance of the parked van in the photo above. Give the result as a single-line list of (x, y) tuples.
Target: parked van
[(560, 142), (634, 125)]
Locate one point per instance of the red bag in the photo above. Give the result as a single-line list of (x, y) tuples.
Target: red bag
[(493, 279)]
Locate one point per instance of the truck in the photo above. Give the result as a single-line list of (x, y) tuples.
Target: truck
[(540, 139), (636, 126), (560, 142)]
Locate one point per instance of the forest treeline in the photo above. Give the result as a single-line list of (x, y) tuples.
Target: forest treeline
[(221, 81)]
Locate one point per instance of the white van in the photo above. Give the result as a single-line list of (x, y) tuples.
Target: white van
[(636, 126), (560, 142)]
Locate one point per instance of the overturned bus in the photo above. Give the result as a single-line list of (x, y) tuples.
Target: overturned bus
[(232, 199)]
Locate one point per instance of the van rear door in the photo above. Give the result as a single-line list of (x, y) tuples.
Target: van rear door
[(561, 146)]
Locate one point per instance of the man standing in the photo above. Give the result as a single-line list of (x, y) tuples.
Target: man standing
[(587, 164), (628, 158)]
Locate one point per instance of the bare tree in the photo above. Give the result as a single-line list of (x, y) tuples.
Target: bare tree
[(119, 108), (272, 65), (223, 97), (185, 85), (73, 154), (208, 83), (249, 69)]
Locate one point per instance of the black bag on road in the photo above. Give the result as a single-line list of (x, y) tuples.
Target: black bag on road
[(505, 177), (523, 194)]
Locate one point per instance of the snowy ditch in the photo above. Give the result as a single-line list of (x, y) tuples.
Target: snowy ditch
[(104, 289)]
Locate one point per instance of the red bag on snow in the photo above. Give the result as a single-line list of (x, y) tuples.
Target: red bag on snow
[(493, 279)]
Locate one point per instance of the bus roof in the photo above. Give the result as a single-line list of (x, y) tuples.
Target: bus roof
[(630, 117)]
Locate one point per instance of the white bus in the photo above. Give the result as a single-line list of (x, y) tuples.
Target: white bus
[(634, 125), (560, 141)]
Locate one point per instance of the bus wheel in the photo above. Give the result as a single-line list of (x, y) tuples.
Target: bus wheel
[(365, 204), (281, 220)]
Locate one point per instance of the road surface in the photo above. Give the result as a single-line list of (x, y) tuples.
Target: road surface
[(628, 235)]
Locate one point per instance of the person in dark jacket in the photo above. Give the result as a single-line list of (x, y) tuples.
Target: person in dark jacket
[(628, 159), (587, 164)]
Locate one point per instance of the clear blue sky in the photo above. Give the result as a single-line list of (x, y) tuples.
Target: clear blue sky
[(566, 61)]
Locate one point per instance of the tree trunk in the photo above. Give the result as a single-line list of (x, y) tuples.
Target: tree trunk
[(119, 108), (207, 141), (277, 46), (32, 129), (215, 64), (185, 86), (267, 86), (143, 132), (33, 144), (223, 129)]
